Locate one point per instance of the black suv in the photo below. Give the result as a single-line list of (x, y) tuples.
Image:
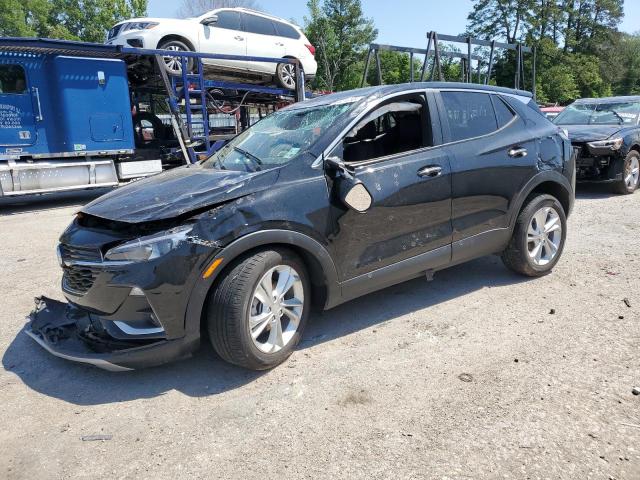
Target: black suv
[(606, 133), (319, 203)]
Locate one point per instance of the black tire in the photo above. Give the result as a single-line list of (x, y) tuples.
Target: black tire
[(621, 186), (180, 46), (285, 76), (516, 256), (230, 304)]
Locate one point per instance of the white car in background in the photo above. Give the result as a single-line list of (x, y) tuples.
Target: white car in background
[(228, 31)]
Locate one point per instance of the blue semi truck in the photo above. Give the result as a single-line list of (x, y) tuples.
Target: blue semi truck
[(68, 113)]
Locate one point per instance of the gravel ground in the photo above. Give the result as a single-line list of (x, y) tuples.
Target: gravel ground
[(478, 374)]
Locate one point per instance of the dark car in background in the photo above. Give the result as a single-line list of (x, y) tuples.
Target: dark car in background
[(321, 202), (606, 132)]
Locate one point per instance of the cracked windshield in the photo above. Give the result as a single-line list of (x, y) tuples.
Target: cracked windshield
[(277, 139)]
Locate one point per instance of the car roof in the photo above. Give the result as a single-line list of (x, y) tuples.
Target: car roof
[(255, 12), (384, 90), (629, 98)]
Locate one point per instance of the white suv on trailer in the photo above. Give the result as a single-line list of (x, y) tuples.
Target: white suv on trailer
[(228, 31)]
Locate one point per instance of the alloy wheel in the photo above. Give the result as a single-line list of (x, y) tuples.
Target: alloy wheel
[(288, 76), (544, 236), (632, 173), (173, 64), (276, 309)]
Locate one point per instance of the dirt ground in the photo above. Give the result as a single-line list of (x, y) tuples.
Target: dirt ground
[(478, 374)]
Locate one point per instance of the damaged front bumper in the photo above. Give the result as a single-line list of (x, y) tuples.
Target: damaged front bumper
[(69, 332)]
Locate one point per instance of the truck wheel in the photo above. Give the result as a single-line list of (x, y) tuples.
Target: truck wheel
[(286, 75), (538, 237), (630, 174), (173, 65), (258, 310)]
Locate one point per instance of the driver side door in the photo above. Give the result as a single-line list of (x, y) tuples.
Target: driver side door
[(407, 229), (225, 37)]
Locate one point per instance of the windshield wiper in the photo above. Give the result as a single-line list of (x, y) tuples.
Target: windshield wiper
[(250, 156), (619, 116)]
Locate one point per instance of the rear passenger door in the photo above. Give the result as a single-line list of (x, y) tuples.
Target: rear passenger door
[(391, 151), (262, 41), (491, 156)]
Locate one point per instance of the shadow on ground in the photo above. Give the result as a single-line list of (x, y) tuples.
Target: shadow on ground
[(594, 191), (205, 374), (48, 201)]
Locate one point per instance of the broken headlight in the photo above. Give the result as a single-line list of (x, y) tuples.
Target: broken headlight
[(613, 143), (148, 248)]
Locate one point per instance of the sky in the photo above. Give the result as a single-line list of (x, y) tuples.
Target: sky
[(399, 22)]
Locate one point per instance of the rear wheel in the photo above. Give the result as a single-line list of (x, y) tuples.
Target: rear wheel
[(538, 237), (630, 174), (286, 75), (173, 65), (258, 311)]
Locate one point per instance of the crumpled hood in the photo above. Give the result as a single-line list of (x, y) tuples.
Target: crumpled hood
[(177, 192), (590, 133)]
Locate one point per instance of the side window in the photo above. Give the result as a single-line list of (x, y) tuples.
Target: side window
[(228, 20), (286, 31), (470, 114), (12, 79), (261, 25), (390, 129), (504, 114)]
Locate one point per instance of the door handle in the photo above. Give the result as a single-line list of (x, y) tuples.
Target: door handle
[(430, 171), (280, 44), (239, 38), (518, 152), (39, 117)]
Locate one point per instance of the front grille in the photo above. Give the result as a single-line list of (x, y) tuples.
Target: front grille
[(79, 278), (80, 254)]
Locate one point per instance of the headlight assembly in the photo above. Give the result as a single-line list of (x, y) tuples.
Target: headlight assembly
[(148, 248), (613, 143), (139, 26)]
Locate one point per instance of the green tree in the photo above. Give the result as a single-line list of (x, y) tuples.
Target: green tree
[(341, 33), (86, 20), (89, 20), (23, 18)]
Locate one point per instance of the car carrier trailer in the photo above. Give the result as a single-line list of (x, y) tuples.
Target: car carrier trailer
[(76, 115)]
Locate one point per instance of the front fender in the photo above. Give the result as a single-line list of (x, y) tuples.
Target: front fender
[(254, 240)]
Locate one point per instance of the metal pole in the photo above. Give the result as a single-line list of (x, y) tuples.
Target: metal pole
[(469, 70), (534, 72), (379, 67), (366, 68), (426, 57), (493, 48), (517, 79), (435, 41), (479, 72), (411, 67), (300, 95)]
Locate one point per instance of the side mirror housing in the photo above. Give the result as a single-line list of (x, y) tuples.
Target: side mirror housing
[(352, 192), (209, 20)]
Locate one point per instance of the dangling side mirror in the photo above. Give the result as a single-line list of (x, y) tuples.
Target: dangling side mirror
[(351, 191), (210, 20)]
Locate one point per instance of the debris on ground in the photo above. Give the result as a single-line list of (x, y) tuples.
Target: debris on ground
[(552, 311), (465, 377), (627, 302), (636, 390), (96, 438)]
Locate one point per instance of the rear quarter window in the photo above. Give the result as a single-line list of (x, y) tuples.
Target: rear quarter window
[(504, 114), (286, 31)]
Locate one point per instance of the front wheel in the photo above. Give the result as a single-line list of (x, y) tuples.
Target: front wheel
[(173, 65), (258, 310), (538, 237), (286, 75), (630, 174)]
